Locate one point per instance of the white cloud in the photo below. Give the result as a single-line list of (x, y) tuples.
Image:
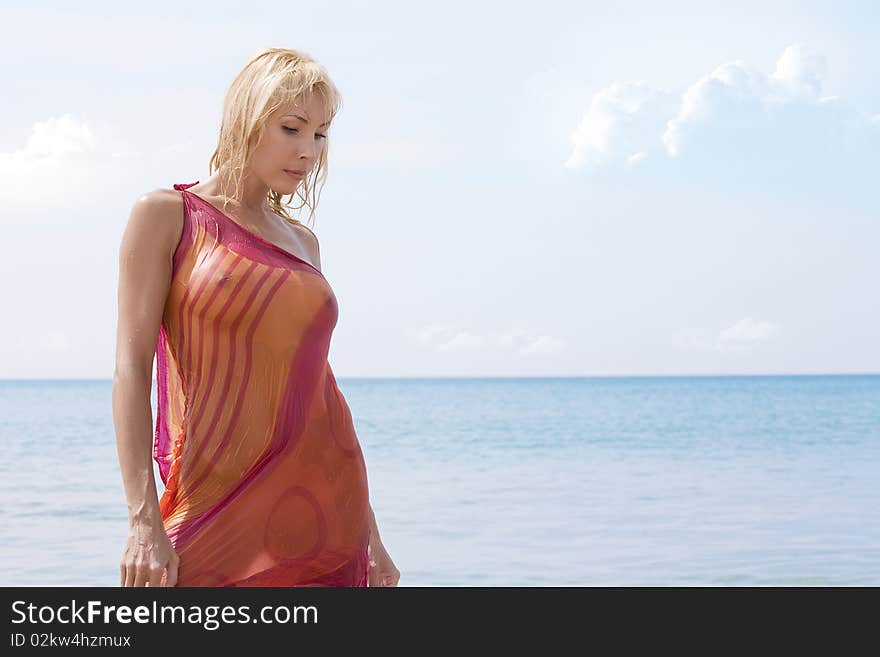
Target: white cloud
[(744, 335), (543, 344), (735, 94), (524, 343), (55, 165), (736, 117), (49, 144), (733, 85), (622, 119), (446, 338), (800, 72), (462, 341), (636, 158)]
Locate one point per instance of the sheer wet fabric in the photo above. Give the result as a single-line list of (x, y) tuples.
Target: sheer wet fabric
[(265, 481)]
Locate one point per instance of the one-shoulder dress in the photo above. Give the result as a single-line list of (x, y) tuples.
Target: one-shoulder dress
[(265, 480)]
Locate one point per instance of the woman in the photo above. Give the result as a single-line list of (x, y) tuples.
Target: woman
[(265, 481)]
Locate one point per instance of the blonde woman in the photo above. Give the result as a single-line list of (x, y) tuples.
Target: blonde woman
[(265, 481)]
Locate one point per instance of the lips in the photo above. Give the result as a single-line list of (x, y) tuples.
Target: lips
[(295, 174)]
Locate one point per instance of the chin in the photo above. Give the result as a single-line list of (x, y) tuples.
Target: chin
[(285, 187)]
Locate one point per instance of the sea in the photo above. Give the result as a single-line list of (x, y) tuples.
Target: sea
[(599, 481)]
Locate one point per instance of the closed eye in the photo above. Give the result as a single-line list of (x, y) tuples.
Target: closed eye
[(317, 134)]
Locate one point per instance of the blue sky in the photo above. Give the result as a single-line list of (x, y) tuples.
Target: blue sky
[(557, 189)]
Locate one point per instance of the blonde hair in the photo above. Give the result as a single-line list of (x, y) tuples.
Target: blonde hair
[(275, 77)]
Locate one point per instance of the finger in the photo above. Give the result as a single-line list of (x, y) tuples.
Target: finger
[(130, 572), (156, 575), (171, 579), (141, 577), (121, 574)]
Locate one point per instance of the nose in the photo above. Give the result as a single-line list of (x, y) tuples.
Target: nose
[(308, 156)]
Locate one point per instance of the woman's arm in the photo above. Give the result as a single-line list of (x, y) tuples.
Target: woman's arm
[(383, 572), (145, 255), (374, 529), (133, 422)]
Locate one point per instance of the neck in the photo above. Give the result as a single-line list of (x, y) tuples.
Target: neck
[(252, 193)]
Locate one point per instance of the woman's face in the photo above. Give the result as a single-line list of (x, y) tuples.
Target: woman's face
[(293, 138)]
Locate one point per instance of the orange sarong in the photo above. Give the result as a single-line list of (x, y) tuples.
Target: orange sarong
[(265, 481)]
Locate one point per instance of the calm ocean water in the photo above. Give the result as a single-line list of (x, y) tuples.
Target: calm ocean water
[(701, 481)]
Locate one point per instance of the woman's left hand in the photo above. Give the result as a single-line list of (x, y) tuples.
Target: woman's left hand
[(383, 572)]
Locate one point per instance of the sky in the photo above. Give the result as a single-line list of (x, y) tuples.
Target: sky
[(514, 189)]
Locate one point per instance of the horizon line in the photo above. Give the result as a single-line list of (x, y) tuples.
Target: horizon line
[(512, 377)]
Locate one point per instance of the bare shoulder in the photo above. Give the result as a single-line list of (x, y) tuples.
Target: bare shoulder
[(311, 239), (157, 217), (163, 204)]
